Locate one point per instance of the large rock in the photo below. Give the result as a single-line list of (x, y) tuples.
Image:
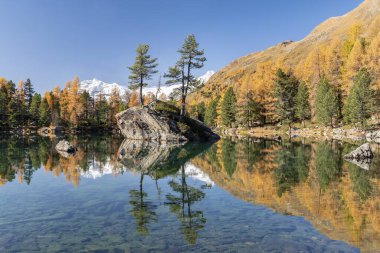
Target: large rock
[(362, 156), (65, 148), (151, 125), (373, 136)]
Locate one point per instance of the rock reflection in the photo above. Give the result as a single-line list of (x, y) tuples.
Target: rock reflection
[(159, 161)]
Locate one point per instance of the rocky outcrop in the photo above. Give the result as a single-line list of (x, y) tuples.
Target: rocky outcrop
[(65, 148), (373, 136), (361, 156), (157, 126)]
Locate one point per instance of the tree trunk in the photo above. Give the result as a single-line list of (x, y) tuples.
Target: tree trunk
[(183, 106), (290, 129), (303, 123), (141, 97)]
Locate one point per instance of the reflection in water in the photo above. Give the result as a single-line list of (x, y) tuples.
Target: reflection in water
[(175, 189), (141, 210), (191, 220), (291, 166), (306, 179)]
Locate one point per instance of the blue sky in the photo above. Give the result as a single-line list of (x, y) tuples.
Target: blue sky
[(51, 41)]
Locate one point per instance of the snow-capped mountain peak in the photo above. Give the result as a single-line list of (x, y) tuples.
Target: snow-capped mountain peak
[(96, 87), (205, 77)]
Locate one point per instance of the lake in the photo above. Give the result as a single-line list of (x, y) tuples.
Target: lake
[(231, 196)]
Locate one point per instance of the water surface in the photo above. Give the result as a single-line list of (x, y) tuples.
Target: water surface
[(233, 196)]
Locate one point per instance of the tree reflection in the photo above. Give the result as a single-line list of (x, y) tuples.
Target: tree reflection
[(292, 166), (142, 211), (181, 204), (229, 156), (328, 163), (361, 180)]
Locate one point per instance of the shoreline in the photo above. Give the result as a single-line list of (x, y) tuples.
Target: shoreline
[(316, 133)]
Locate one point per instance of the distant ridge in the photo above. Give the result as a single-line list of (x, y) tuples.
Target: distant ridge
[(96, 87)]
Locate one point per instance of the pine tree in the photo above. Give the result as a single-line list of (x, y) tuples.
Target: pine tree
[(191, 57), (250, 111), (360, 100), (34, 108), (142, 70), (326, 103), (211, 113), (44, 113), (200, 111), (28, 92), (228, 108), (101, 111), (285, 91), (302, 103), (3, 106)]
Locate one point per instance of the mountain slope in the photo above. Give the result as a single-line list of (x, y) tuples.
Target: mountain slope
[(332, 42)]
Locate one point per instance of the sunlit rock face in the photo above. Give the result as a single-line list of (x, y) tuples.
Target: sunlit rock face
[(150, 125), (146, 124)]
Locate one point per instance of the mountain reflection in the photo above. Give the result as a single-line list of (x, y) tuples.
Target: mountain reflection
[(302, 178)]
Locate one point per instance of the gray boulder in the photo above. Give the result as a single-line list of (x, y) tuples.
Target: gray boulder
[(362, 156), (65, 148), (156, 126), (373, 136)]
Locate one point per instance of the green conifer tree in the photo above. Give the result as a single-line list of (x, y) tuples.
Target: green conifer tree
[(326, 103), (142, 70), (228, 108), (191, 57), (44, 113), (34, 108), (302, 103), (285, 91), (360, 101), (211, 112), (250, 111), (29, 92)]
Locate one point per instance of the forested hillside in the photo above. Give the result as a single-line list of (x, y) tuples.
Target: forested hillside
[(333, 53)]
